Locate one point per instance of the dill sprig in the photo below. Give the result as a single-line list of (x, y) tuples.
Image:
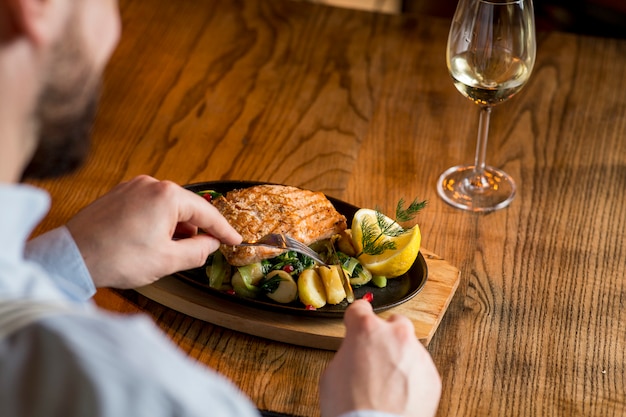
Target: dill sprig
[(372, 233), (411, 211)]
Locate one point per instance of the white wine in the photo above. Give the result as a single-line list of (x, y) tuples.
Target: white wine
[(490, 55), (488, 79)]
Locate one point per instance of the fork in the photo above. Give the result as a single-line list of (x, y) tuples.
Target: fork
[(283, 241)]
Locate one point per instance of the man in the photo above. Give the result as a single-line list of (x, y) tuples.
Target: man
[(62, 356)]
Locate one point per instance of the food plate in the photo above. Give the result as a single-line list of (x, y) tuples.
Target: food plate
[(398, 290)]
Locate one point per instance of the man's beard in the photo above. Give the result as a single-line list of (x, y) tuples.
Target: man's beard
[(65, 113), (63, 144)]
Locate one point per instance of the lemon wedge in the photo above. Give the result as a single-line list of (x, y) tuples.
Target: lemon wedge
[(392, 262)]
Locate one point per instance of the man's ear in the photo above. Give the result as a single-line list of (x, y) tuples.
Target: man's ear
[(38, 20)]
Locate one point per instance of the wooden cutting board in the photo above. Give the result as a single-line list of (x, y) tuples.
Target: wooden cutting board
[(425, 310)]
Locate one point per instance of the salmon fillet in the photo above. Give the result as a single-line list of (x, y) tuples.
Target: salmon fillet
[(305, 215)]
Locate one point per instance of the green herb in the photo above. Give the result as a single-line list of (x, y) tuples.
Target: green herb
[(358, 269), (411, 211), (270, 285), (297, 261), (343, 258), (209, 195), (372, 233)]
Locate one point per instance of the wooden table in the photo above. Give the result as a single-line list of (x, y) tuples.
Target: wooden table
[(361, 107)]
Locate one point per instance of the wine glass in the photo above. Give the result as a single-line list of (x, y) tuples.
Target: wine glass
[(490, 55)]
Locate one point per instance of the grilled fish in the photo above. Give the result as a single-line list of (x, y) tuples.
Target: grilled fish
[(305, 215)]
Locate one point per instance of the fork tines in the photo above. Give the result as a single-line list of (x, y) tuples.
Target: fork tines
[(296, 244)]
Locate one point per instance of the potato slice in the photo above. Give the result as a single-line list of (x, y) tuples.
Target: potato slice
[(287, 290), (311, 289), (333, 284), (345, 244)]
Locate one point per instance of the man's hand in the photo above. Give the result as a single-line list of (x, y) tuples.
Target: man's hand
[(126, 236), (380, 366)]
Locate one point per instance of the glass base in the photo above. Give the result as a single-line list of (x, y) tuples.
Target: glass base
[(463, 188)]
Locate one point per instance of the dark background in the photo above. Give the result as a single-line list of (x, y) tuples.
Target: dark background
[(590, 17)]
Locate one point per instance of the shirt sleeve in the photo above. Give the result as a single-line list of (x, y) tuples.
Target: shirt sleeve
[(105, 365), (57, 253)]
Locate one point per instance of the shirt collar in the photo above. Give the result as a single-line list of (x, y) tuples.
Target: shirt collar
[(22, 207)]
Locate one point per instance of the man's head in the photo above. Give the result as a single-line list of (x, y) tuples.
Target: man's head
[(70, 42)]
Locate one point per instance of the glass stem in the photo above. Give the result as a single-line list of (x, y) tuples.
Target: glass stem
[(479, 179)]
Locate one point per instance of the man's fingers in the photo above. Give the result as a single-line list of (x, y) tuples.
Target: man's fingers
[(358, 308), (400, 319), (404, 328), (185, 230), (196, 210), (359, 315), (191, 208), (191, 252)]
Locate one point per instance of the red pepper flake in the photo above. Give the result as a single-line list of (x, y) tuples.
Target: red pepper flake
[(288, 268), (309, 307), (368, 296), (230, 292)]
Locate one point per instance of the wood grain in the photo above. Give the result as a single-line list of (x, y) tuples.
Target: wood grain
[(360, 106)]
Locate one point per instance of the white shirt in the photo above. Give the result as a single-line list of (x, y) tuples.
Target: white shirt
[(60, 355)]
